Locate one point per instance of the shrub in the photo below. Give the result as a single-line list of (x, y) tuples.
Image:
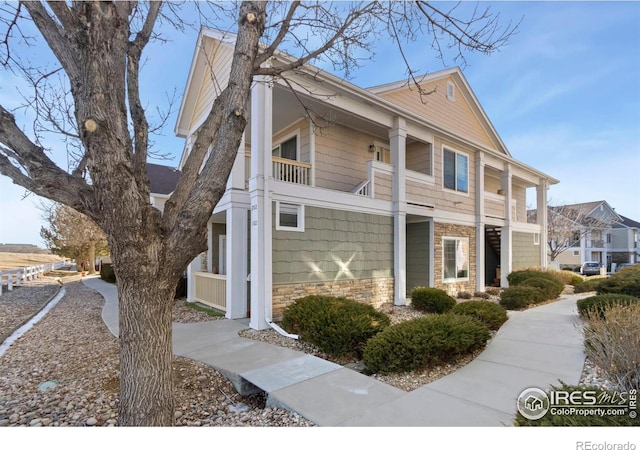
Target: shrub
[(484, 295), (588, 285), (549, 288), (598, 304), (107, 273), (493, 291), (464, 295), (519, 297), (612, 342), (578, 420), (491, 314), (576, 280), (416, 343), (562, 276), (431, 300), (518, 277), (337, 326), (627, 281)]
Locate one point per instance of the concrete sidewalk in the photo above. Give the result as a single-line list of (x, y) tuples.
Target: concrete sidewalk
[(534, 348)]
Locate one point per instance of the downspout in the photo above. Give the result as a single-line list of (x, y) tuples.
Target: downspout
[(272, 324)]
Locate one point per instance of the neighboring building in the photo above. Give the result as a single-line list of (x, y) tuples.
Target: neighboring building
[(624, 242), (591, 231), (389, 193)]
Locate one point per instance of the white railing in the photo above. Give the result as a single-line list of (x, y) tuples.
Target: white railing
[(211, 289), (15, 277), (363, 189), (291, 171)]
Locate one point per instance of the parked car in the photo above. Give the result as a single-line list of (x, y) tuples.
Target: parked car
[(590, 268)]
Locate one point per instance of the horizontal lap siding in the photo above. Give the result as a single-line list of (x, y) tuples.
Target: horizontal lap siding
[(525, 254)]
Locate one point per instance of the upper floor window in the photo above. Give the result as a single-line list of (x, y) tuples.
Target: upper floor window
[(451, 91), (287, 149), (455, 171)]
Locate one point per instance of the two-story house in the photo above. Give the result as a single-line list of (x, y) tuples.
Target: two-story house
[(362, 193), (624, 241)]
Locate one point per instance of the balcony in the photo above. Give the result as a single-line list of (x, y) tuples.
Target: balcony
[(287, 170)]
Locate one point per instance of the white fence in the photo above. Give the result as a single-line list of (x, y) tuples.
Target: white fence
[(15, 277)]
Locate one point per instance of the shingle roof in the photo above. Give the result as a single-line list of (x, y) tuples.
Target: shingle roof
[(626, 222), (163, 179)]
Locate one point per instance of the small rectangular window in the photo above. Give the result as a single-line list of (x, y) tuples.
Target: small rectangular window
[(455, 259), (536, 238), (289, 217)]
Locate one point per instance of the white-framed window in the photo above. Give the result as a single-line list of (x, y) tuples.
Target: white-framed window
[(287, 148), (536, 238), (289, 217), (576, 252), (455, 170), (455, 259), (451, 91)]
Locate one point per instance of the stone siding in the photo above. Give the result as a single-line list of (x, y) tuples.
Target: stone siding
[(373, 291)]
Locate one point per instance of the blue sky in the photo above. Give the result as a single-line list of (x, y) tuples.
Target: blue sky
[(564, 95)]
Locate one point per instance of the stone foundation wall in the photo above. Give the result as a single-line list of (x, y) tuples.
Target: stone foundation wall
[(374, 291), (441, 230)]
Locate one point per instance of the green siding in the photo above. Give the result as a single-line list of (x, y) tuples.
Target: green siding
[(336, 245), (525, 253), (417, 255)]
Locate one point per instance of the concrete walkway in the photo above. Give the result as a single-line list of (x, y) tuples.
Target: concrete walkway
[(534, 348)]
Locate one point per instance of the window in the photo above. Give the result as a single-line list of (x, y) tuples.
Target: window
[(289, 217), (382, 153), (576, 253), (608, 238), (455, 259), (287, 149), (536, 238), (455, 171)]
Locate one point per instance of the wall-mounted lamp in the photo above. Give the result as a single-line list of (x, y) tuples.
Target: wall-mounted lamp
[(372, 148), (457, 203), (500, 191)]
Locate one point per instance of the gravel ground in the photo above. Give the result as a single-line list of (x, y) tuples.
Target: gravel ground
[(64, 372)]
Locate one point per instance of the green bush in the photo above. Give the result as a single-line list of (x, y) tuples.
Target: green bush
[(627, 281), (493, 291), (598, 304), (518, 277), (491, 314), (588, 285), (576, 280), (107, 273), (578, 420), (484, 295), (520, 297), (549, 288), (416, 343), (431, 300), (337, 326), (562, 276)]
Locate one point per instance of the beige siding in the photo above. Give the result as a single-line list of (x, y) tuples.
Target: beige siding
[(215, 79), (341, 158), (302, 128), (456, 116), (493, 207), (520, 196), (448, 200), (419, 158), (491, 184), (336, 245), (419, 192), (382, 189)]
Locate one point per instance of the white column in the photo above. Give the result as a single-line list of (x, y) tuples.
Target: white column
[(397, 141), (506, 260), (210, 262), (480, 241), (261, 226), (237, 243), (193, 267), (542, 219), (236, 177), (312, 152)]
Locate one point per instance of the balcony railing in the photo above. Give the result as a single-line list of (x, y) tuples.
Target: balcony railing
[(291, 171)]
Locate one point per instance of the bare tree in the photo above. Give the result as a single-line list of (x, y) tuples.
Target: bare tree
[(567, 225), (99, 47), (73, 235)]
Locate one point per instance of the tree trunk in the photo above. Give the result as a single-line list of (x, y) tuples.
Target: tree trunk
[(146, 354), (92, 257)]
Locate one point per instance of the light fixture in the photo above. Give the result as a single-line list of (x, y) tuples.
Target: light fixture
[(500, 191), (372, 148)]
